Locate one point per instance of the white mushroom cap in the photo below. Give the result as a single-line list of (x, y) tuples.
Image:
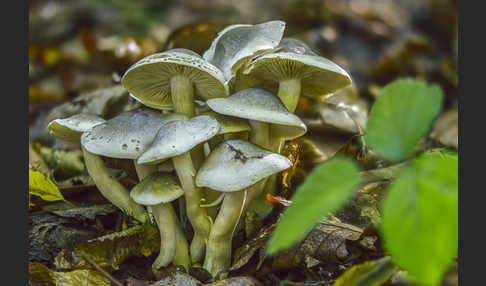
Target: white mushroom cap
[(229, 124), (148, 80), (295, 46), (319, 76), (261, 105), (238, 42), (157, 188), (179, 136), (237, 164), (71, 128), (125, 136)]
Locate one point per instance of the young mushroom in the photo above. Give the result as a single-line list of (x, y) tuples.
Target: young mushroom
[(293, 70), (157, 191), (175, 140), (125, 136), (232, 168), (237, 43), (70, 129)]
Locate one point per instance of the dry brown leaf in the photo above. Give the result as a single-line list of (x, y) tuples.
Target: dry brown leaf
[(39, 274)]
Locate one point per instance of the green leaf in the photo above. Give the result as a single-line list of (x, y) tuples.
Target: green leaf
[(368, 273), (330, 185), (43, 187), (401, 116), (420, 217)]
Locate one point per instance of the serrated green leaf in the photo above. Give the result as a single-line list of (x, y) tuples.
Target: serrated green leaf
[(43, 187), (401, 116), (420, 217), (328, 187)]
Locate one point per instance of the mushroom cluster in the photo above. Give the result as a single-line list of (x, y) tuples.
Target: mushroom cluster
[(218, 121)]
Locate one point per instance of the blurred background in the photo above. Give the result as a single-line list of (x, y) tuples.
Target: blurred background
[(78, 50)]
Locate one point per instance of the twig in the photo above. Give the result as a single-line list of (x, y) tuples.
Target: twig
[(100, 270)]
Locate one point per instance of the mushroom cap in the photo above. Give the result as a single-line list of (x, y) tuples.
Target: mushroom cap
[(179, 136), (229, 124), (235, 43), (295, 46), (319, 76), (148, 80), (125, 136), (261, 105), (71, 128), (237, 164), (157, 188)]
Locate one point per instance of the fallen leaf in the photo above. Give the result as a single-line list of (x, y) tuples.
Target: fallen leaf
[(368, 273), (40, 274), (111, 250), (43, 187)]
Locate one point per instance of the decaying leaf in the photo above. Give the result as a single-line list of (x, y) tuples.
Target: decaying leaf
[(49, 234), (445, 130), (326, 243), (237, 281), (36, 161), (304, 155), (111, 250), (43, 187), (87, 212), (41, 275), (177, 278), (369, 273)]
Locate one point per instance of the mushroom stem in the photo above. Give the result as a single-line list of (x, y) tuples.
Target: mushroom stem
[(260, 133), (182, 250), (166, 221), (218, 253), (196, 215), (216, 202), (289, 92), (182, 91), (144, 170), (110, 188)]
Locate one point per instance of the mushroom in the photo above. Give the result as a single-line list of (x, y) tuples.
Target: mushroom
[(269, 119), (293, 70), (70, 129), (237, 43), (173, 80), (125, 136), (231, 128), (234, 167), (174, 140), (157, 191)]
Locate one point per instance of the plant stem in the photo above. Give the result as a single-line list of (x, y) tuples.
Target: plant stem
[(260, 133), (289, 93), (196, 215), (218, 253), (111, 189), (182, 251), (165, 217), (182, 92)]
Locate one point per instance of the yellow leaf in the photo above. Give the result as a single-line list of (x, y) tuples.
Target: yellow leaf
[(368, 273), (43, 187)]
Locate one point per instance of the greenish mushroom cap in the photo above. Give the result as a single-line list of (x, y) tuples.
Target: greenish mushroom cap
[(157, 188), (148, 80), (237, 164), (71, 128)]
